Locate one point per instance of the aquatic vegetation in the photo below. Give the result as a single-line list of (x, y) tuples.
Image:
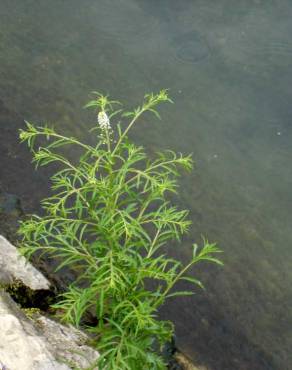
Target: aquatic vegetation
[(110, 219)]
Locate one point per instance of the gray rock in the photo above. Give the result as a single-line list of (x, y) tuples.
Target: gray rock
[(21, 347), (40, 343), (15, 267), (68, 343)]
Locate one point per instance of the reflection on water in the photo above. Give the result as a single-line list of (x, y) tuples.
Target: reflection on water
[(229, 69)]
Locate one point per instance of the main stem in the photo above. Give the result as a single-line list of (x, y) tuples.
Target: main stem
[(127, 129)]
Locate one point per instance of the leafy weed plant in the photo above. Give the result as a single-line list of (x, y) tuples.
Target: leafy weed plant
[(110, 218)]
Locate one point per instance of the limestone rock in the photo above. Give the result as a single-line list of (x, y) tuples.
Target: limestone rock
[(20, 345), (40, 344), (14, 267), (68, 343)]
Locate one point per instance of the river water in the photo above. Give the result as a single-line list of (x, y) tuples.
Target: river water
[(228, 66)]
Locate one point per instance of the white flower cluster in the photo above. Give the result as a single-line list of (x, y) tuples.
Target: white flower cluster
[(103, 121)]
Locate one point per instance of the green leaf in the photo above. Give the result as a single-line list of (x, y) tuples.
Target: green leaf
[(192, 280), (180, 294)]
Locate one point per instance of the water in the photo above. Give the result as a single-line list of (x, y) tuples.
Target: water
[(229, 70)]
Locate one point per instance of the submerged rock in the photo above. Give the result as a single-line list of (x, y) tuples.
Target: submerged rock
[(10, 204), (184, 363), (10, 214), (191, 47)]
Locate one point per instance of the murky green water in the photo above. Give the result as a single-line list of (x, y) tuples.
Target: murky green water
[(229, 69)]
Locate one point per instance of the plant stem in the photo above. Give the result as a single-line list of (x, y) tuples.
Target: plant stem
[(172, 283), (127, 130)]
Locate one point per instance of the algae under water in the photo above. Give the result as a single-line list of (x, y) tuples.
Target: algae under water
[(229, 70)]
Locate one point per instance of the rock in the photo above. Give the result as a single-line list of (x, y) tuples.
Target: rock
[(40, 344), (68, 343), (10, 204), (14, 267), (185, 363), (10, 214), (20, 345)]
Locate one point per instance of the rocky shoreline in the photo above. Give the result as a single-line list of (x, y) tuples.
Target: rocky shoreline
[(28, 338)]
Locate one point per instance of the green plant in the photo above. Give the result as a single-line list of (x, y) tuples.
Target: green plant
[(109, 218)]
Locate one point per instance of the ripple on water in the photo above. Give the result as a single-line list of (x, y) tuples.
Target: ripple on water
[(191, 48)]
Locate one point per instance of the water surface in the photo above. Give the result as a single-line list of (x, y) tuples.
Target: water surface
[(229, 70)]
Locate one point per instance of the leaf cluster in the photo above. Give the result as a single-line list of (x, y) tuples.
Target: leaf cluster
[(110, 219)]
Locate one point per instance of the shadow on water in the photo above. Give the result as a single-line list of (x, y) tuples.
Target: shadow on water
[(229, 69)]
